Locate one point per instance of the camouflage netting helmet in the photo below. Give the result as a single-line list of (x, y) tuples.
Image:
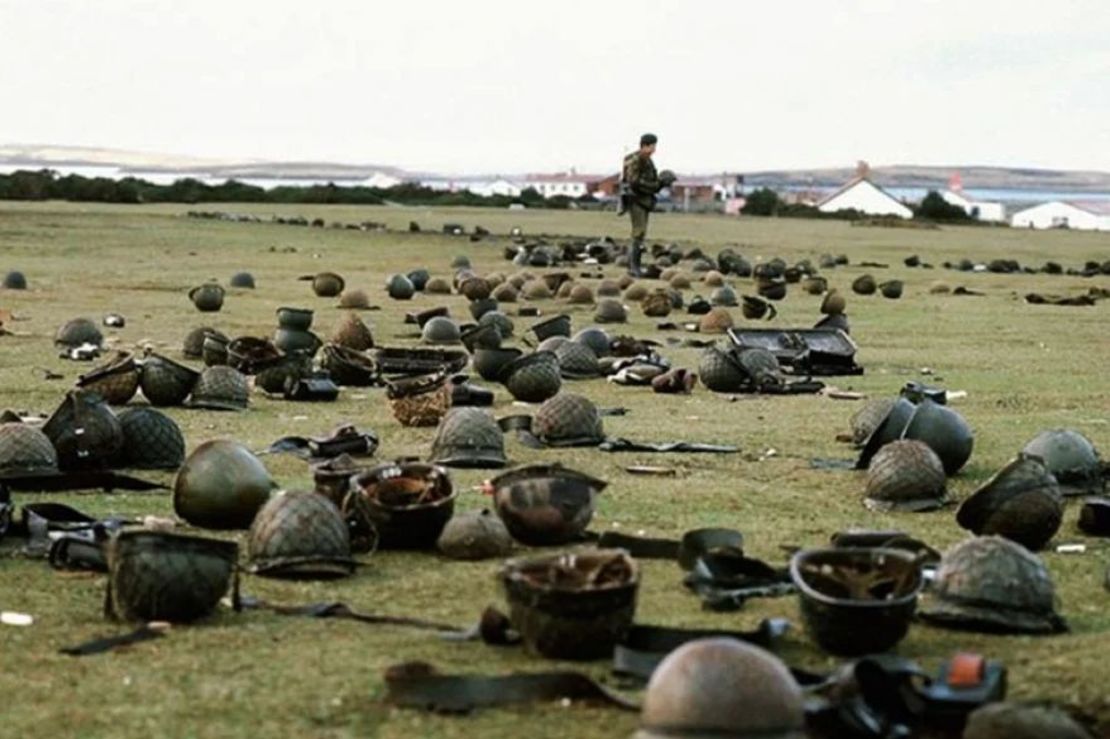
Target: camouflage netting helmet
[(327, 284), (437, 286), (498, 320), (159, 576), (1071, 458), (505, 293), (441, 330), (580, 295), (1006, 720), (1022, 502), (597, 339), (354, 300), (608, 289), (944, 430), (77, 332), (468, 437), (864, 285), (552, 343), (166, 382), (721, 687), (353, 334), (474, 535), (221, 486), (400, 287), (15, 280), (657, 305), (151, 440), (610, 310), (723, 295), (193, 346), (719, 370), (534, 377), (25, 451), (545, 504), (716, 321), (242, 280), (299, 535), (116, 382), (905, 476), (568, 420), (994, 585), (221, 388), (84, 431), (867, 418), (577, 361)]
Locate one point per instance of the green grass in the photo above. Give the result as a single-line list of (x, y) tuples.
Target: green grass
[(1025, 368)]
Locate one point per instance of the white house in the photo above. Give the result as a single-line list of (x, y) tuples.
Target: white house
[(381, 180), (865, 196), (499, 186), (569, 184), (982, 210), (1090, 215)]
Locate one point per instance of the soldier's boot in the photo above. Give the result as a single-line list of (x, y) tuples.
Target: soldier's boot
[(635, 252)]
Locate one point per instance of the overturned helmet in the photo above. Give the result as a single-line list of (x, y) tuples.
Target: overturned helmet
[(468, 437), (905, 476), (165, 382), (151, 440), (545, 504), (1022, 502), (299, 535)]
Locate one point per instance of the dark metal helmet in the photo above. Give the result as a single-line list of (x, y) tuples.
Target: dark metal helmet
[(610, 310), (498, 320), (353, 334), (577, 361), (597, 339), (545, 504), (992, 584), (833, 303), (723, 295), (15, 280), (558, 325), (474, 535), (724, 688), (214, 349), (580, 295), (865, 420), (461, 261), (84, 431), (166, 382), (151, 440), (490, 363), (719, 371), (552, 343), (400, 287), (221, 486), (533, 378), (905, 476), (208, 298), (25, 451), (891, 289), (401, 505), (1022, 502), (864, 285), (441, 330), (468, 437), (715, 321), (193, 346), (1071, 458), (242, 280), (327, 284), (944, 430), (1005, 720), (221, 389), (301, 535), (116, 381), (889, 429), (568, 419), (608, 289), (349, 367), (505, 293), (157, 576), (419, 278), (635, 292), (77, 332)]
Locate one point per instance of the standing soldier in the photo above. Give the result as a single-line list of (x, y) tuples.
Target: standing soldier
[(639, 186)]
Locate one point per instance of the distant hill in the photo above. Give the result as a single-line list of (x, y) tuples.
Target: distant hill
[(909, 175)]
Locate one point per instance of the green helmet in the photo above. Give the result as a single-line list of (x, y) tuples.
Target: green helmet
[(474, 535), (506, 293), (468, 437), (15, 280), (193, 346), (608, 289), (558, 325), (208, 298), (577, 361), (244, 280), (719, 371), (419, 278), (475, 288), (993, 585), (498, 320), (1005, 720), (534, 377), (77, 332), (723, 688), (1071, 458), (551, 344), (84, 431), (437, 286), (635, 292), (221, 486), (327, 284), (151, 440), (156, 576), (441, 330), (864, 285), (400, 287), (723, 295), (610, 310), (597, 339), (116, 382), (214, 349), (1021, 502), (760, 366), (165, 382), (25, 451), (568, 420), (544, 504), (944, 430), (490, 363), (299, 534), (221, 389), (580, 295), (905, 476), (891, 289)]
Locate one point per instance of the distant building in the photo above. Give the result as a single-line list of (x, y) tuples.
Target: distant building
[(568, 184), (979, 209), (381, 180), (699, 192), (865, 196), (498, 186), (1090, 215)]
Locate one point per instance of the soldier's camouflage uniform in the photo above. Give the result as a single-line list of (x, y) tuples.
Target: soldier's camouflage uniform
[(643, 184)]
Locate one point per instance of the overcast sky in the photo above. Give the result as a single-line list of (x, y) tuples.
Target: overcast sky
[(483, 85)]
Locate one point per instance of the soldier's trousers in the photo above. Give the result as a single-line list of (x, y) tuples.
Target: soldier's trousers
[(639, 216)]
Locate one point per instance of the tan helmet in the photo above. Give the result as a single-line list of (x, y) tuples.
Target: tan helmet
[(905, 476), (717, 321), (580, 295), (610, 310), (353, 334), (474, 535)]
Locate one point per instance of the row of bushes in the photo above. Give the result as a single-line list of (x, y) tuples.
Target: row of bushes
[(932, 208)]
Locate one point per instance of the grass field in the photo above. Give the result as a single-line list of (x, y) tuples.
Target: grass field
[(1025, 368)]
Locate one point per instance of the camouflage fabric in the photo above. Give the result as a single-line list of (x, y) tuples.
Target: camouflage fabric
[(221, 485), (642, 180), (299, 534), (905, 476), (474, 535), (77, 332), (151, 440), (568, 419), (221, 389), (577, 361), (468, 437), (534, 377), (165, 382), (1022, 502), (719, 370), (26, 451), (84, 431)]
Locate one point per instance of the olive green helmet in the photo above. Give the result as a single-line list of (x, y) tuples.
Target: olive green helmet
[(151, 440), (77, 332), (499, 321), (243, 280), (208, 298), (610, 310), (15, 280), (719, 371), (551, 344), (580, 295), (221, 388), (468, 437), (354, 300), (534, 377), (84, 431), (568, 419), (165, 382), (474, 535), (721, 687), (441, 330), (299, 535), (891, 289), (994, 585), (193, 346), (1071, 458), (723, 295), (864, 285), (1022, 502), (438, 286), (328, 284), (26, 451), (760, 367), (577, 361), (1005, 720), (597, 339), (221, 485), (944, 430)]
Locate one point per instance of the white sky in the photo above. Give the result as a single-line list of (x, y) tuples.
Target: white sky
[(490, 86)]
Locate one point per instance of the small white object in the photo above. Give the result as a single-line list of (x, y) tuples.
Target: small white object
[(1071, 548), (11, 618)]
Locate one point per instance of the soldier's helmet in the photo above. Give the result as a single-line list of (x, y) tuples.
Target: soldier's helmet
[(723, 295), (865, 420), (905, 476), (1006, 720), (354, 300), (475, 288), (610, 310), (419, 278), (498, 320), (400, 287), (576, 361), (992, 584), (568, 419), (722, 687), (716, 321), (1071, 458), (193, 346), (243, 280), (833, 303), (348, 367), (944, 430), (353, 333), (597, 339), (116, 382), (221, 388), (221, 485), (608, 288), (760, 366), (166, 382), (461, 261), (713, 278), (327, 284), (533, 378), (15, 280), (208, 297), (441, 330), (1021, 502), (657, 305), (84, 431), (299, 535), (474, 535), (437, 286), (864, 285), (635, 292), (507, 293), (544, 504), (151, 440), (580, 295), (468, 437), (78, 331), (891, 289), (26, 451), (719, 370), (536, 290)]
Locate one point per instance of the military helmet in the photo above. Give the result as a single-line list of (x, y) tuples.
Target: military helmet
[(437, 286), (214, 348), (354, 300), (221, 388), (716, 321), (889, 428), (552, 344), (722, 687), (891, 289), (558, 325), (151, 440), (400, 287), (536, 290), (864, 285), (713, 278), (116, 382), (327, 284), (400, 505), (468, 437), (580, 295), (348, 367), (353, 333), (475, 288), (242, 280), (577, 361), (625, 281), (15, 280), (1071, 458), (474, 535), (944, 430), (77, 332), (221, 485), (26, 451), (461, 261), (635, 292), (568, 419), (1022, 502), (419, 278), (760, 366), (815, 284), (479, 308), (166, 382), (608, 289), (208, 298), (610, 310), (719, 370), (865, 420), (905, 476), (833, 303), (299, 535), (992, 584), (505, 293), (441, 330), (723, 295), (545, 504), (657, 305), (596, 339), (680, 281), (1006, 720), (193, 346), (84, 431), (534, 377), (498, 320)]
